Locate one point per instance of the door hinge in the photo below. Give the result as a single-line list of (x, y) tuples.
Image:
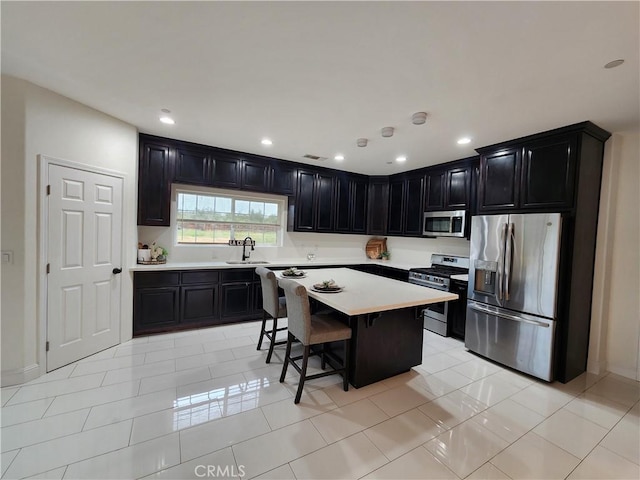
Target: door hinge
[(48, 268), (48, 189), (47, 347)]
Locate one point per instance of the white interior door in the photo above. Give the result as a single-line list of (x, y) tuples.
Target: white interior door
[(84, 248)]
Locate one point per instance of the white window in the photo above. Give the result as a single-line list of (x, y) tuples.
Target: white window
[(216, 218)]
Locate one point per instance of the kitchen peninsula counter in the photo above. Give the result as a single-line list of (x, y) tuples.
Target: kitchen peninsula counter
[(385, 317)]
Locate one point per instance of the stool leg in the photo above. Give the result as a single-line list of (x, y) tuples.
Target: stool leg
[(323, 362), (273, 339), (287, 355), (264, 324), (345, 378), (303, 373)]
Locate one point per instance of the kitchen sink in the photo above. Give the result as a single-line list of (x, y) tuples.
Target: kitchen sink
[(246, 262)]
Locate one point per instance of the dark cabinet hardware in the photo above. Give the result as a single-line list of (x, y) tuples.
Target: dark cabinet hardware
[(116, 271)]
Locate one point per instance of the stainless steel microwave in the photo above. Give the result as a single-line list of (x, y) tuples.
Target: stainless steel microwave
[(444, 224)]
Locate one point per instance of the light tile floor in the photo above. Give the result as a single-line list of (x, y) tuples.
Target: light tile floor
[(203, 404)]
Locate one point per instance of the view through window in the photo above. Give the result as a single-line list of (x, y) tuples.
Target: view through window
[(217, 218)]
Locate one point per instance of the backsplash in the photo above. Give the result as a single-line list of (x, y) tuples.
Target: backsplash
[(297, 245)]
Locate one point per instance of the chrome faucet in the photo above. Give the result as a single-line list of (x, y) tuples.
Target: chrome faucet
[(246, 255)]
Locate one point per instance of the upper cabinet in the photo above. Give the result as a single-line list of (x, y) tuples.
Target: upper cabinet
[(155, 174), (539, 172), (377, 205), (284, 176), (351, 203), (314, 202), (406, 197), (448, 187), (226, 170), (192, 166), (255, 175)]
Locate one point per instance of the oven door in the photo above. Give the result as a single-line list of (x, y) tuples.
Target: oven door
[(435, 317)]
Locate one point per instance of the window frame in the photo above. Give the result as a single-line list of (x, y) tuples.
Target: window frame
[(236, 195)]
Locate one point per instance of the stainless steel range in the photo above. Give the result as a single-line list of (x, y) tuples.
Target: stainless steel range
[(438, 276)]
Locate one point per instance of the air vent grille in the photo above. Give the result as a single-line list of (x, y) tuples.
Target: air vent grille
[(314, 157)]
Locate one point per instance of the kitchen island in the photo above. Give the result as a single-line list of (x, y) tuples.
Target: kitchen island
[(385, 318)]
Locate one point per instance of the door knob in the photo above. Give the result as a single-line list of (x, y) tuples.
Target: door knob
[(116, 271)]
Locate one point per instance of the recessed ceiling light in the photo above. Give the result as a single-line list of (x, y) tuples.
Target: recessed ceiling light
[(266, 141), (614, 63), (339, 157), (464, 140), (167, 119), (401, 158)]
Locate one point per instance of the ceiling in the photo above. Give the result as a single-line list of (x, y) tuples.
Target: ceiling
[(316, 76)]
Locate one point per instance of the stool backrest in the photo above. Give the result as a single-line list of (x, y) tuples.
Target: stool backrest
[(269, 290), (298, 311)]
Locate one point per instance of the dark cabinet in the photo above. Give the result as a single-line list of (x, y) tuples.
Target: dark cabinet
[(396, 207), (457, 314), (155, 174), (314, 202), (351, 204), (192, 166), (237, 290), (226, 170), (377, 205), (413, 211), (256, 175), (538, 174), (199, 304), (283, 179), (548, 173), (449, 187), (406, 205)]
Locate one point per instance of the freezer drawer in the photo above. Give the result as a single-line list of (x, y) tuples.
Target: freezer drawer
[(519, 341)]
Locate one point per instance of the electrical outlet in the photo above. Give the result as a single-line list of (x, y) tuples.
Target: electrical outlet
[(7, 257)]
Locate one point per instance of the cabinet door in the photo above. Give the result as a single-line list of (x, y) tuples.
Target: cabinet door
[(154, 184), (325, 202), (156, 309), (434, 199), (283, 179), (414, 198), (548, 173), (255, 175), (377, 206), (343, 203), (192, 166), (499, 180), (236, 300), (458, 310), (358, 212), (457, 188), (396, 207), (226, 171), (305, 208), (199, 304)]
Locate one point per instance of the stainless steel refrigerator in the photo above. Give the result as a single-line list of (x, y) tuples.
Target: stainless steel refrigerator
[(513, 289)]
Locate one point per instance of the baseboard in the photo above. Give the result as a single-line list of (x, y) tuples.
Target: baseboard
[(19, 375), (623, 372), (596, 367)]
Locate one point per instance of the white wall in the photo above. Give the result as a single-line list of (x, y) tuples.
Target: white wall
[(615, 330), (36, 122)]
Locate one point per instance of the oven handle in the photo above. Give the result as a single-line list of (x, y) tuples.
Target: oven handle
[(506, 316)]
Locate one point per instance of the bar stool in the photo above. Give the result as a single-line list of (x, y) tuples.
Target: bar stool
[(272, 305), (311, 330)]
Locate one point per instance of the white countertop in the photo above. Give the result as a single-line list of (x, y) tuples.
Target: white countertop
[(366, 293), (284, 263)]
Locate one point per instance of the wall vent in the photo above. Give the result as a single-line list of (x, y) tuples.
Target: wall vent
[(314, 157)]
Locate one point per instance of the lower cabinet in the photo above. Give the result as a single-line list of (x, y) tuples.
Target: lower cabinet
[(174, 300), (458, 309)]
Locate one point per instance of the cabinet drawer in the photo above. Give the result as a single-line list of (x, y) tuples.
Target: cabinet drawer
[(239, 275), (200, 276), (156, 279)]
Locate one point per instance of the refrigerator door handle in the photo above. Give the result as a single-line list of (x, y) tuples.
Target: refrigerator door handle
[(506, 316), (508, 261), (500, 280)]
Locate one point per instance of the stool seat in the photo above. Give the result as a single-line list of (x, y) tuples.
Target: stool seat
[(273, 307), (319, 329)]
